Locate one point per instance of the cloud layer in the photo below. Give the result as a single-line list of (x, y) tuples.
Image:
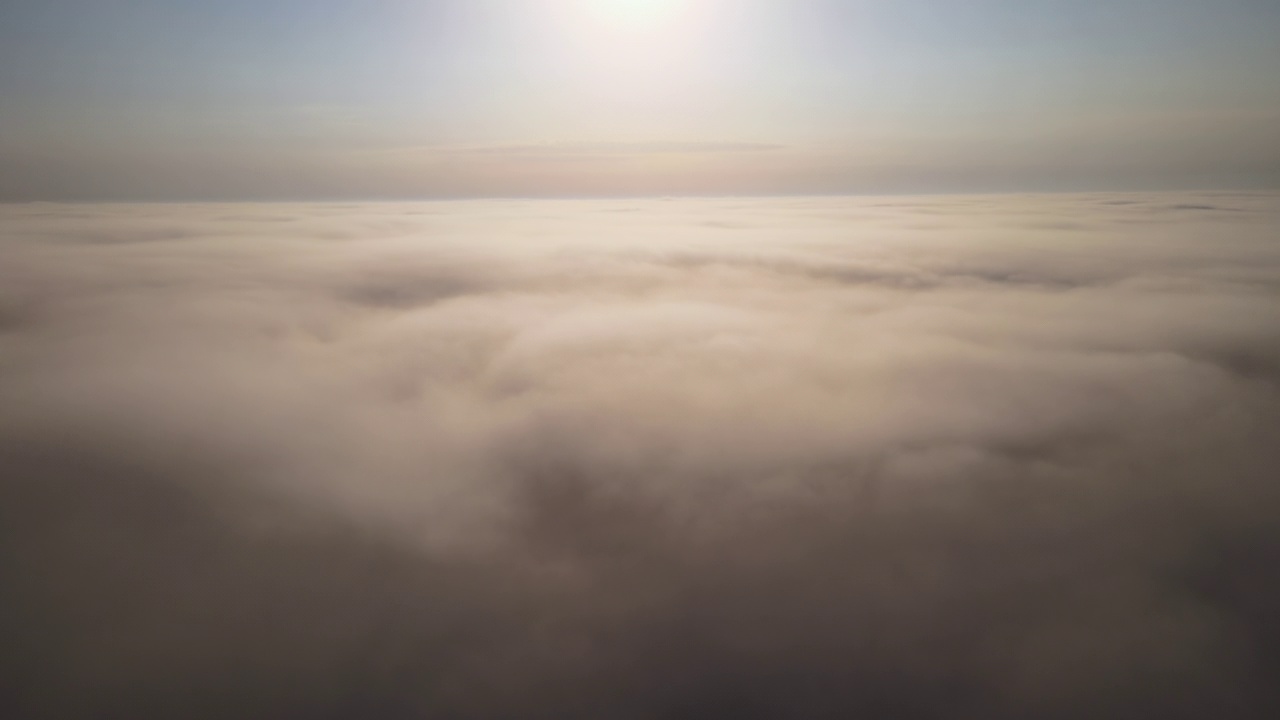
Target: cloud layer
[(882, 457)]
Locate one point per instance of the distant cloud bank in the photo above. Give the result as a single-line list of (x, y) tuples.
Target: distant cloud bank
[(911, 457)]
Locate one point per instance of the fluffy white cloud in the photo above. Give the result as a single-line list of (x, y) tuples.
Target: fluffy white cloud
[(1000, 456)]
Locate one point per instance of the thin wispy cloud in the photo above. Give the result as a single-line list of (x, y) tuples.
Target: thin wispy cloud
[(619, 148)]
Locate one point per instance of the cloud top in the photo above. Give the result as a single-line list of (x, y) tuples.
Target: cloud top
[(1001, 456)]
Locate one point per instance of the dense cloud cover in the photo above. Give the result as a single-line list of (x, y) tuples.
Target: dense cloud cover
[(988, 457)]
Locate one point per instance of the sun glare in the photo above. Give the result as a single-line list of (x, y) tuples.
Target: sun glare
[(636, 14), (628, 49)]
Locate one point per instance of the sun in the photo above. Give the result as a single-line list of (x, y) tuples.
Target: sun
[(636, 14), (628, 49)]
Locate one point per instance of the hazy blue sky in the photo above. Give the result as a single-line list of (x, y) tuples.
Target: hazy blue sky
[(166, 99)]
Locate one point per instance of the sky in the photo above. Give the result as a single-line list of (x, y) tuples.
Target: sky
[(309, 99)]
